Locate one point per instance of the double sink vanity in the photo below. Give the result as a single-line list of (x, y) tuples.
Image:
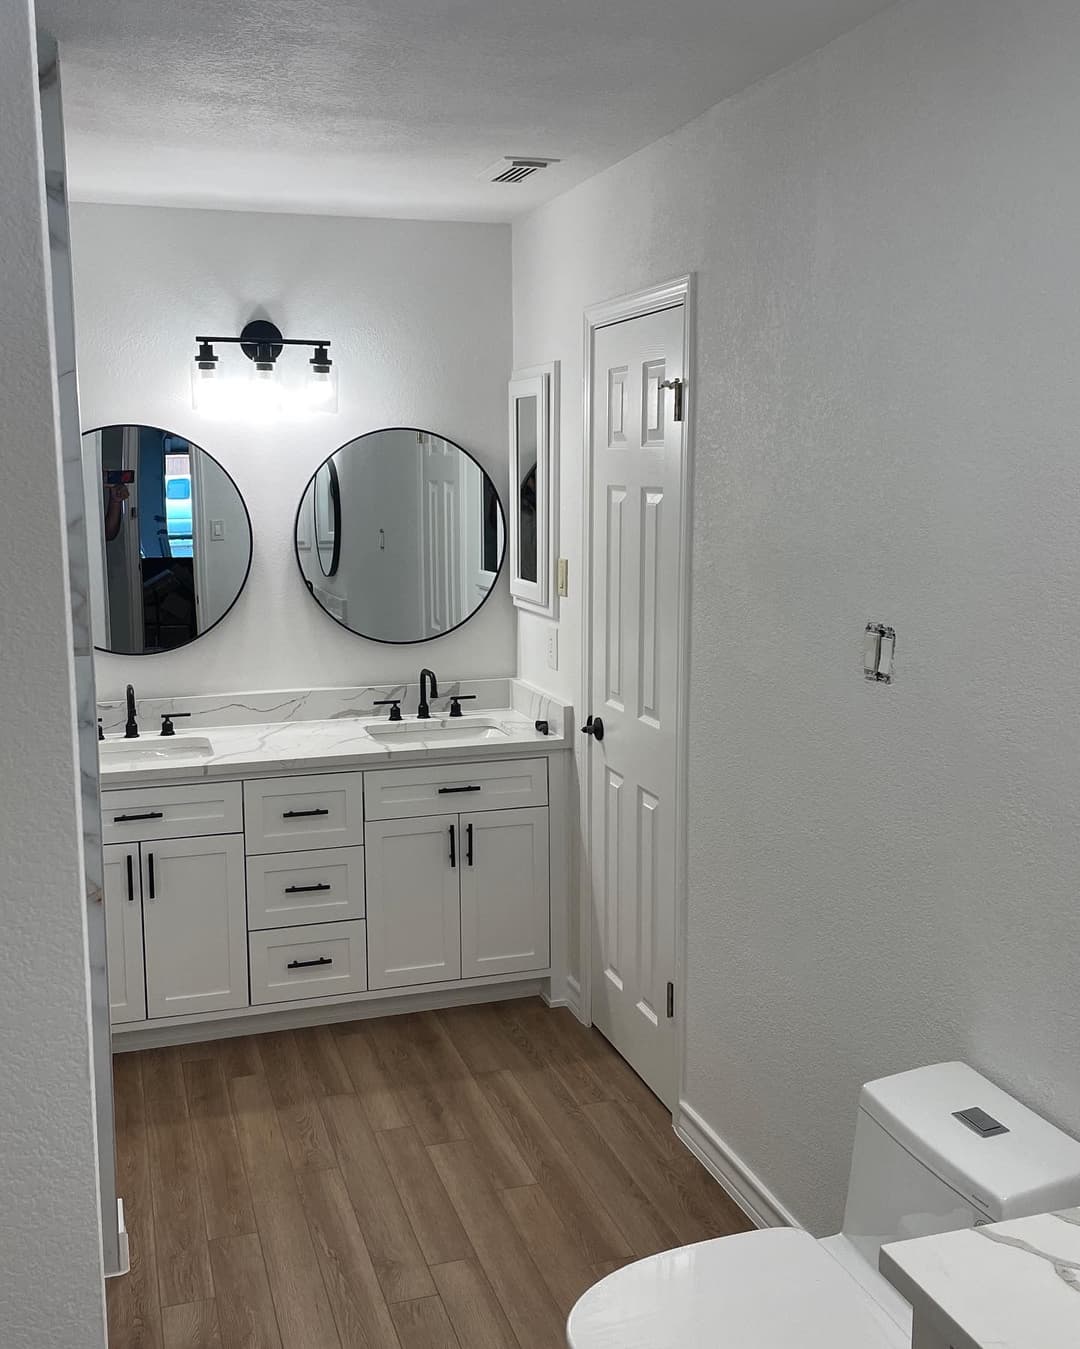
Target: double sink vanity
[(287, 868)]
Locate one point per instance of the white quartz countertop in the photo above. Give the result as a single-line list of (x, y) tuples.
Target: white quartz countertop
[(335, 745), (1009, 1285)]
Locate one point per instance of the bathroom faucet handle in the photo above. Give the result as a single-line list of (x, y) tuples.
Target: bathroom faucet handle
[(394, 704), (456, 699), (167, 727)]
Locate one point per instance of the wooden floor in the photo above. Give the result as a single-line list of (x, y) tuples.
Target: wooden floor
[(446, 1180)]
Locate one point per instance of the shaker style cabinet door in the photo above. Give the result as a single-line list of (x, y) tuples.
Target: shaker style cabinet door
[(504, 892), (195, 925), (124, 933), (413, 907)]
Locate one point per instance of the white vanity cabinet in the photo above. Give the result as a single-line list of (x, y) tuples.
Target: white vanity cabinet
[(305, 889), (457, 896)]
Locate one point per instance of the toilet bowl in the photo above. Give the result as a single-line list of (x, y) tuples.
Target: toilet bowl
[(922, 1163)]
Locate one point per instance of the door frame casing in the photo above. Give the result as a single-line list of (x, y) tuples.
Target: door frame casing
[(681, 291)]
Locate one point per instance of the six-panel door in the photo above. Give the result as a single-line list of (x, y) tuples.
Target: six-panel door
[(413, 906), (504, 892), (124, 933), (195, 925)]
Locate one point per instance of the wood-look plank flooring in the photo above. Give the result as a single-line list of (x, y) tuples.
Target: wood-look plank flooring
[(438, 1180)]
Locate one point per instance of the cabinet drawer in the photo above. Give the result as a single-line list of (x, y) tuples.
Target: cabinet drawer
[(135, 813), (295, 814), (292, 889), (323, 960), (401, 793)]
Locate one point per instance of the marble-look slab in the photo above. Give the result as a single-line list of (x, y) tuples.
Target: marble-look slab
[(257, 750), (1008, 1285), (305, 705)]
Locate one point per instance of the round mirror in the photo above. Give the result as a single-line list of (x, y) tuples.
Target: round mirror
[(400, 535), (173, 545), (328, 518)]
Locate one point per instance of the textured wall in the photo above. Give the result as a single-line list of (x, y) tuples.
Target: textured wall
[(419, 317), (51, 1291), (887, 409)]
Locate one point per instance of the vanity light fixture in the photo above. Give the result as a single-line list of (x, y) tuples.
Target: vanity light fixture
[(265, 390)]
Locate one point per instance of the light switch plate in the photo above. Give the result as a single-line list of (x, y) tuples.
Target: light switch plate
[(553, 648), (217, 529), (563, 578), (879, 650)]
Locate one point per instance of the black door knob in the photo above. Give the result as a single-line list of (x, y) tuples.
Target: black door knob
[(594, 727)]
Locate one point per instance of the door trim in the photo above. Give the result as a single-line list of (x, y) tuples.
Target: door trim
[(681, 291)]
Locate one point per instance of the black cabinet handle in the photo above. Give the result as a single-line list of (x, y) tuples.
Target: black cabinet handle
[(306, 889), (146, 815), (306, 964), (453, 791), (150, 874), (453, 845), (302, 814), (131, 879), (468, 844)]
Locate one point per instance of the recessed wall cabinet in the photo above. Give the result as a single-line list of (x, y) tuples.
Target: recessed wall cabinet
[(326, 886), (534, 488)]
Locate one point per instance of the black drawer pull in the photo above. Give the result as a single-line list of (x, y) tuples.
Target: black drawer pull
[(302, 814), (306, 964), (452, 791), (306, 889), (147, 815)]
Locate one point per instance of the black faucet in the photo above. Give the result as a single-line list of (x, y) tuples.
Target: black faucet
[(426, 677), (131, 730)]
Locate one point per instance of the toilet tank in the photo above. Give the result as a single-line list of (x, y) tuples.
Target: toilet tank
[(917, 1169)]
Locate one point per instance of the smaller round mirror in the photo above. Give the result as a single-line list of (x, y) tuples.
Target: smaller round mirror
[(400, 535), (171, 550), (327, 490)]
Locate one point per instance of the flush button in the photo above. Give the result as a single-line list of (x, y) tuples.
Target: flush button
[(979, 1122)]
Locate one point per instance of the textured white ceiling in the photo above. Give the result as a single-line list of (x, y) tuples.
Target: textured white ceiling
[(393, 107)]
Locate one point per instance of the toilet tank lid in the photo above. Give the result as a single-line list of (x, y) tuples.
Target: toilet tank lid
[(1034, 1168)]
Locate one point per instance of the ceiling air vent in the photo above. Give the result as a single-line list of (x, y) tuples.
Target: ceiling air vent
[(516, 168)]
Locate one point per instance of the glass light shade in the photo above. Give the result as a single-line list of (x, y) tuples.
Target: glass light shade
[(205, 385), (320, 393)]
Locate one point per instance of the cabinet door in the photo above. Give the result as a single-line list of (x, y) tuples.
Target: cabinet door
[(504, 892), (413, 906), (123, 933), (194, 925)]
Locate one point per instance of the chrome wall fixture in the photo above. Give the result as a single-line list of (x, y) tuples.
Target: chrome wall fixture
[(264, 388)]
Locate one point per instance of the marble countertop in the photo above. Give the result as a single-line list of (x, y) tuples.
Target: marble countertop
[(1008, 1285), (338, 744)]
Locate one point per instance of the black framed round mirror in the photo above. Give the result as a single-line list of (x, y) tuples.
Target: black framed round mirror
[(173, 546), (400, 535), (327, 518)]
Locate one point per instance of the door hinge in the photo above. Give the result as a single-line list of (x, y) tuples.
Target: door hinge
[(679, 387), (671, 1000)]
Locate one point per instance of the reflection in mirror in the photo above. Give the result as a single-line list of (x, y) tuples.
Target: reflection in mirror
[(174, 545), (526, 459), (328, 518), (418, 535)]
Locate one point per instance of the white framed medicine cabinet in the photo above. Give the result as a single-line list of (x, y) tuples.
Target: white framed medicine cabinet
[(534, 488)]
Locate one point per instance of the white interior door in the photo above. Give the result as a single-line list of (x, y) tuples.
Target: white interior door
[(637, 449), (443, 578)]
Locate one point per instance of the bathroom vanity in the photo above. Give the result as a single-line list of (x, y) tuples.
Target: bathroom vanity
[(286, 871)]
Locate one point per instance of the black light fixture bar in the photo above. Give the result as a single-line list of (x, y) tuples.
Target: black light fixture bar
[(277, 341)]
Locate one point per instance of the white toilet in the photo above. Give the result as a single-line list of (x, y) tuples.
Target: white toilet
[(916, 1168)]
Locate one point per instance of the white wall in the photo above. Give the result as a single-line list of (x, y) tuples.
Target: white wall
[(51, 1291), (887, 412), (419, 317)]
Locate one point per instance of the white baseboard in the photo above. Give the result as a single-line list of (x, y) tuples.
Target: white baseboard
[(748, 1190), (571, 997)]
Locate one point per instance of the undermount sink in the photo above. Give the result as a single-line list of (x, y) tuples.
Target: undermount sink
[(449, 730), (161, 749)]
